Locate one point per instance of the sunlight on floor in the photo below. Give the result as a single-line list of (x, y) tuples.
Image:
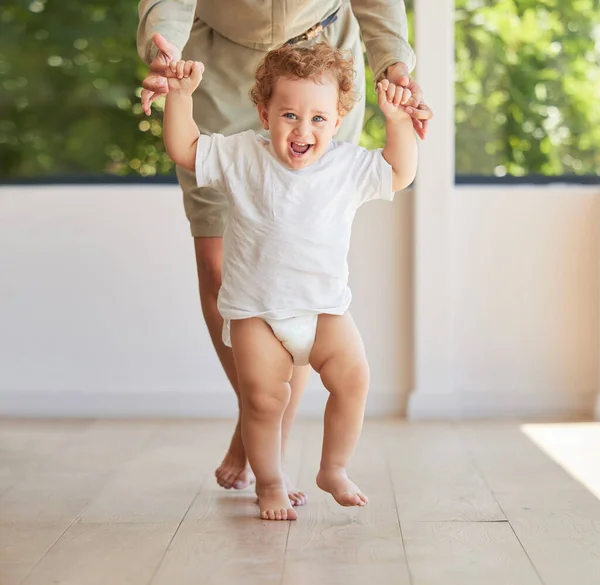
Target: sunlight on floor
[(574, 446)]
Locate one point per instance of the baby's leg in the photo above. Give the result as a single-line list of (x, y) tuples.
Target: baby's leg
[(264, 369), (339, 357)]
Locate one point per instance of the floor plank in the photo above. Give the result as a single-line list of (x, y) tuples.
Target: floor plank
[(97, 554), (560, 531), (434, 477), (222, 537), (466, 553), (27, 543), (160, 482), (134, 502), (543, 477), (332, 545), (222, 540), (27, 446), (510, 462), (14, 573), (575, 447)]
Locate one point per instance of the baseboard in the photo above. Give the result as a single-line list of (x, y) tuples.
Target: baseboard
[(504, 404), (432, 405), (421, 406), (167, 404)]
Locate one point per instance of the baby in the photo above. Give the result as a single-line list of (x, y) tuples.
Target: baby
[(292, 200)]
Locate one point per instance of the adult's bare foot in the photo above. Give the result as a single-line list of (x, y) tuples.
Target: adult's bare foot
[(344, 491), (234, 471), (274, 503), (297, 497)]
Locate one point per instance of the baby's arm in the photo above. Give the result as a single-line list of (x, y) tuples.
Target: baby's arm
[(179, 129), (400, 149)]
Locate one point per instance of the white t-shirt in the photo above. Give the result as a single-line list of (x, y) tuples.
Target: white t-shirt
[(288, 232)]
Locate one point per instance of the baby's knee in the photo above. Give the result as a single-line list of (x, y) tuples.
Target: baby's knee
[(260, 402), (354, 379)]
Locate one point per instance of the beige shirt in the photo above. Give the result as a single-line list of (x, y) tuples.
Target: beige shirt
[(269, 24)]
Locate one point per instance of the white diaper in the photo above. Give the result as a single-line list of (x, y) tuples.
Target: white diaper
[(297, 335)]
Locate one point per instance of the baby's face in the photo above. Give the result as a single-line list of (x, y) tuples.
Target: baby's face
[(302, 118)]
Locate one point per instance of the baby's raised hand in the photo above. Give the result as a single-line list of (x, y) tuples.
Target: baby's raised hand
[(392, 100), (184, 76)]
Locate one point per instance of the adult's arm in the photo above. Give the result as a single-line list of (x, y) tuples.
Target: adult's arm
[(384, 29), (171, 18)]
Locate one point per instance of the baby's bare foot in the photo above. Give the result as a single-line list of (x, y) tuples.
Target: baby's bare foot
[(297, 498), (274, 503), (344, 491)]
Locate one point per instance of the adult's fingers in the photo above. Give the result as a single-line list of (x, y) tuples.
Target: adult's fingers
[(163, 45), (416, 92), (148, 97), (155, 83), (159, 67), (402, 80), (146, 100), (423, 112)]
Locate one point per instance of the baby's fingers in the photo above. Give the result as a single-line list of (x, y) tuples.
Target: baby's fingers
[(187, 69), (177, 69), (197, 71), (392, 90), (382, 88), (403, 95)]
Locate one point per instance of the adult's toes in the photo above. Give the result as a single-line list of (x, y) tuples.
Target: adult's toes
[(227, 481), (240, 484)]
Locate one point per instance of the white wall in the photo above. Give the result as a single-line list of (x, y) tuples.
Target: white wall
[(525, 300), (99, 311)]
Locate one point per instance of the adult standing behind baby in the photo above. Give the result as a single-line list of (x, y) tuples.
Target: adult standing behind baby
[(231, 38)]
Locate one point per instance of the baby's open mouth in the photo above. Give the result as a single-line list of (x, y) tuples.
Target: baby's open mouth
[(299, 148)]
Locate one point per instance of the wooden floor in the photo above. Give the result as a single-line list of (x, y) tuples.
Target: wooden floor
[(135, 503)]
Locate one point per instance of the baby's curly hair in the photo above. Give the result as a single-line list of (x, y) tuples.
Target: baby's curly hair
[(315, 62)]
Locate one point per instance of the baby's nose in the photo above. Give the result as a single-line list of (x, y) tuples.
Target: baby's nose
[(303, 129)]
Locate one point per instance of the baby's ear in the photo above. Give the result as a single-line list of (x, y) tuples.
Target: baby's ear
[(263, 115), (339, 121)]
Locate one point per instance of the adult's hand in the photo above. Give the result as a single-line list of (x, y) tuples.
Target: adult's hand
[(419, 112), (155, 84)]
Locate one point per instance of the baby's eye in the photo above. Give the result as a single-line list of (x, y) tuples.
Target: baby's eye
[(318, 119), (290, 116)]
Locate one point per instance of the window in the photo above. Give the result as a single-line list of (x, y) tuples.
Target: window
[(527, 81), (70, 74)]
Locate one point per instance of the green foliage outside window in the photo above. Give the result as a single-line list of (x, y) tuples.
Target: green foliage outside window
[(528, 72), (527, 80)]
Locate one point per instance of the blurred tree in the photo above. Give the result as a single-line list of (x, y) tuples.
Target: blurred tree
[(527, 75), (70, 79)]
